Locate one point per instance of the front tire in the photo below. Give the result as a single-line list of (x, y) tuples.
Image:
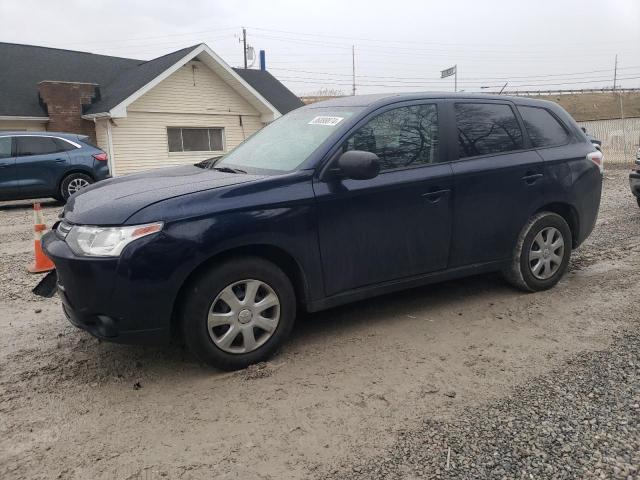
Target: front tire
[(238, 313), (73, 183), (542, 252)]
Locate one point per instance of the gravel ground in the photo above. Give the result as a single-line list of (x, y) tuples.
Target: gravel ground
[(390, 383), (582, 420)]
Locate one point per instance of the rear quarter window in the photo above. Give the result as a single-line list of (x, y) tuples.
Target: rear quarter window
[(64, 146), (543, 128), (5, 147)]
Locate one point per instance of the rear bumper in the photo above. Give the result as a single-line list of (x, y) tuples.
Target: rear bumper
[(634, 183)]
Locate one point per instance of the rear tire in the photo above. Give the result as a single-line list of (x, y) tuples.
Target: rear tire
[(216, 308), (72, 183), (542, 252), (638, 200)]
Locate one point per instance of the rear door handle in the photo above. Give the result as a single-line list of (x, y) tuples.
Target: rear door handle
[(59, 160), (531, 178), (436, 195)]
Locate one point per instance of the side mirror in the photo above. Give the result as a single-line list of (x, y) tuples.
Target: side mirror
[(359, 165)]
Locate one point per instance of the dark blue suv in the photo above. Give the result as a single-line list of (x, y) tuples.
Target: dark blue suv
[(335, 202), (48, 164)]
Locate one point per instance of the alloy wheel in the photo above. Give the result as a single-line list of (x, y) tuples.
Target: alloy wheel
[(76, 184)]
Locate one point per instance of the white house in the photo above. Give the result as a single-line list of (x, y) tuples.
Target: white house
[(176, 109)]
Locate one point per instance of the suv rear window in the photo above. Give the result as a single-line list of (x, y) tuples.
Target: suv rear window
[(486, 128), (543, 128)]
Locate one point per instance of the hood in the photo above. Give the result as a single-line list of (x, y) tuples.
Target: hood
[(113, 201)]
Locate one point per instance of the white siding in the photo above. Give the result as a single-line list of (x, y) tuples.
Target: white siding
[(140, 140), (193, 88), (22, 125)]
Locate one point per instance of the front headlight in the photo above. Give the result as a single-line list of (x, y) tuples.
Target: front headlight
[(106, 241)]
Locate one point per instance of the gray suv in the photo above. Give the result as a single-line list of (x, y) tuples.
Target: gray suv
[(48, 164)]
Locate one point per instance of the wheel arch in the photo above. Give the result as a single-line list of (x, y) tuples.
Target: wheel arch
[(274, 254), (570, 215)]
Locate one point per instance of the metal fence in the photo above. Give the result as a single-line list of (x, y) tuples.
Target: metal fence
[(620, 138)]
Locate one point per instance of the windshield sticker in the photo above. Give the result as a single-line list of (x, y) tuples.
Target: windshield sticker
[(328, 121)]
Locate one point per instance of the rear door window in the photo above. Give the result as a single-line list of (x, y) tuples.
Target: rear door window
[(486, 128), (36, 146), (543, 128)]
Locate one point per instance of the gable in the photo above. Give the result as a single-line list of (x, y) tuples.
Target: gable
[(193, 88)]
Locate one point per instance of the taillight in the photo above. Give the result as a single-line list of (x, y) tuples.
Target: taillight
[(101, 156), (597, 158)]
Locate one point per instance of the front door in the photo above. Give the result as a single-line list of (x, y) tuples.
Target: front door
[(397, 224), (498, 181), (8, 181), (40, 164)]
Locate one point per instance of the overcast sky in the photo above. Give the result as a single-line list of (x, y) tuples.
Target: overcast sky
[(399, 45)]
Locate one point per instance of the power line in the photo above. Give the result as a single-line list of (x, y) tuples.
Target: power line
[(342, 83), (351, 39), (124, 40), (415, 53), (505, 77)]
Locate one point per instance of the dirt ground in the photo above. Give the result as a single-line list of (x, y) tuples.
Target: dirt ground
[(336, 395)]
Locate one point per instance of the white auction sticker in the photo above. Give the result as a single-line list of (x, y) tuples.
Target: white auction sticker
[(328, 121)]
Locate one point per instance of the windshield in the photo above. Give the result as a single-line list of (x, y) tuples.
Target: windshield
[(285, 144)]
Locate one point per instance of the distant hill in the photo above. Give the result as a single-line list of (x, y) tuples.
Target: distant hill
[(597, 106)]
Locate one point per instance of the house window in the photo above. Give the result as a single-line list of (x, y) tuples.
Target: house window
[(195, 139)]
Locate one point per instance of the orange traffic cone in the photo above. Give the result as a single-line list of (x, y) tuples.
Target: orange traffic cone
[(42, 263)]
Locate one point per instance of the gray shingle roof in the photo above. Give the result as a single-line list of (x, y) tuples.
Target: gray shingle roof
[(24, 66), (118, 77), (270, 88)]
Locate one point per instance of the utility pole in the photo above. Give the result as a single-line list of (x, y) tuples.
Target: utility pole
[(615, 73), (244, 46), (353, 68)]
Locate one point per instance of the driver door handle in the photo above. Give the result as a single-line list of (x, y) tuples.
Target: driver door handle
[(530, 178), (436, 195)]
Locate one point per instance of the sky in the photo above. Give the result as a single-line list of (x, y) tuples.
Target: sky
[(399, 45)]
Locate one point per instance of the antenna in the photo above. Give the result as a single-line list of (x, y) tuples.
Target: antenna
[(251, 56)]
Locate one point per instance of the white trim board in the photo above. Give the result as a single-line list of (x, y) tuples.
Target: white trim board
[(24, 119)]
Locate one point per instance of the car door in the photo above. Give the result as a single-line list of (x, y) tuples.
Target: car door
[(498, 181), (397, 224), (40, 164), (8, 181)]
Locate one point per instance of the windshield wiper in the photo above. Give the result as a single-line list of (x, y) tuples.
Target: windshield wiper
[(208, 163), (228, 169)]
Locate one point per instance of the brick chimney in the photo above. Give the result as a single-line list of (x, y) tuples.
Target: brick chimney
[(64, 102)]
